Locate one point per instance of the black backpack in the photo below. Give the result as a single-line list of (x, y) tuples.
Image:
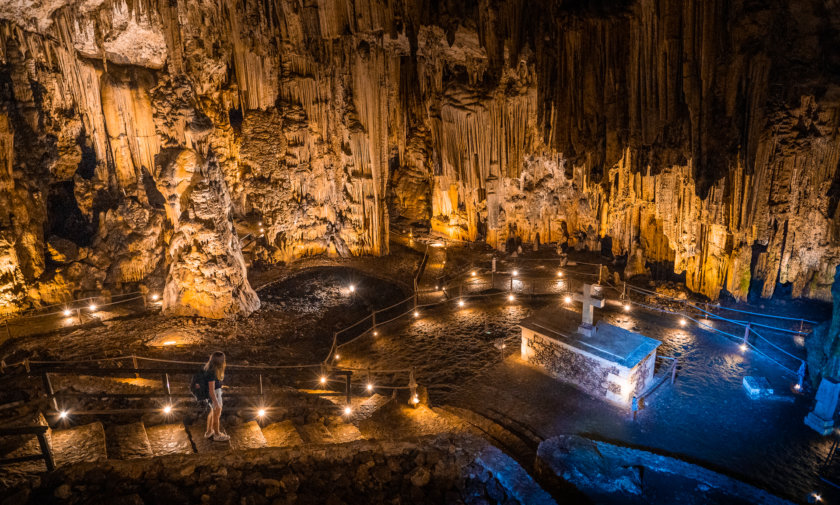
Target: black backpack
[(198, 387)]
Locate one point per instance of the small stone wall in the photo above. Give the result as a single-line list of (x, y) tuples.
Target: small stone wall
[(568, 365), (439, 470)]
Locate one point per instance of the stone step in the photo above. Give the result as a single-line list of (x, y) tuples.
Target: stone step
[(343, 432), (202, 444), (14, 474), (167, 439), (519, 447), (79, 443), (246, 436), (128, 441), (396, 420), (281, 434), (315, 433), (370, 405)]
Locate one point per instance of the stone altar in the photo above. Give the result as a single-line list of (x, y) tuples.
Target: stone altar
[(603, 360)]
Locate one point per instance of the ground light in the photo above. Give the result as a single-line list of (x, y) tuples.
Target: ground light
[(797, 387), (62, 414), (352, 288), (337, 357), (261, 413), (323, 380), (515, 273), (155, 297), (67, 312), (559, 274), (170, 342), (416, 314), (473, 273), (567, 299), (348, 410), (510, 298), (626, 307), (415, 399), (92, 307), (375, 333), (370, 387), (683, 322), (743, 347), (167, 409), (816, 497), (460, 303)]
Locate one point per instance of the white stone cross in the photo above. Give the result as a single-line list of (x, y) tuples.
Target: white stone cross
[(589, 303)]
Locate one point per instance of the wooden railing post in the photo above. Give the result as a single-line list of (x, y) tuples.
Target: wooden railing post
[(8, 331), (166, 387), (49, 389), (46, 451), (674, 371), (134, 362), (347, 388), (262, 396)]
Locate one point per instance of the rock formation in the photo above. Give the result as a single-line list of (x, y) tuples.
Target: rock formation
[(687, 132)]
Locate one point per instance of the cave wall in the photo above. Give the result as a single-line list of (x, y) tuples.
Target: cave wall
[(141, 140)]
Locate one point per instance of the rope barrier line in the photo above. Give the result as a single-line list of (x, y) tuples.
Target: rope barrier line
[(776, 346), (668, 372), (767, 315), (735, 337), (71, 305), (716, 316), (721, 307), (742, 323)]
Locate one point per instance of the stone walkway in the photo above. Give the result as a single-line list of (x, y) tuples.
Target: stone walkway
[(374, 416)]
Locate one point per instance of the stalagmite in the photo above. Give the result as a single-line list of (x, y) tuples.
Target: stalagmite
[(679, 130)]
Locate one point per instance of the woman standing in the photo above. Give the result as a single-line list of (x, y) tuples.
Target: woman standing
[(214, 374)]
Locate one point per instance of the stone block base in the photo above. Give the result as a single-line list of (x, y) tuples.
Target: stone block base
[(818, 424)]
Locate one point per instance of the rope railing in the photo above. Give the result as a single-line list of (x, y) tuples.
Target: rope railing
[(670, 372), (328, 375), (721, 307), (738, 338), (72, 315), (742, 323), (71, 304)]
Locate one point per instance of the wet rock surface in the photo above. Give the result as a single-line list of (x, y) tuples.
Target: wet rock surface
[(607, 473)]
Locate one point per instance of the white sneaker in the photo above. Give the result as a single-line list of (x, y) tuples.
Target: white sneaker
[(221, 437)]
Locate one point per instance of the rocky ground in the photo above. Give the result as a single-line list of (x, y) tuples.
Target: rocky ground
[(467, 356), (302, 306)]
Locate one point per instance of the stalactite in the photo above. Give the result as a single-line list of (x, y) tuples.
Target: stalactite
[(673, 128)]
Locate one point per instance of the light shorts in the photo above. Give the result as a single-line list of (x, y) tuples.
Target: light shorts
[(218, 397)]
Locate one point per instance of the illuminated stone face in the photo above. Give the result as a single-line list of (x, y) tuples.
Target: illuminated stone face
[(447, 123), (207, 274), (611, 364)]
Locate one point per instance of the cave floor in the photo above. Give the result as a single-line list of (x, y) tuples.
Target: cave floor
[(704, 417), (468, 357)]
